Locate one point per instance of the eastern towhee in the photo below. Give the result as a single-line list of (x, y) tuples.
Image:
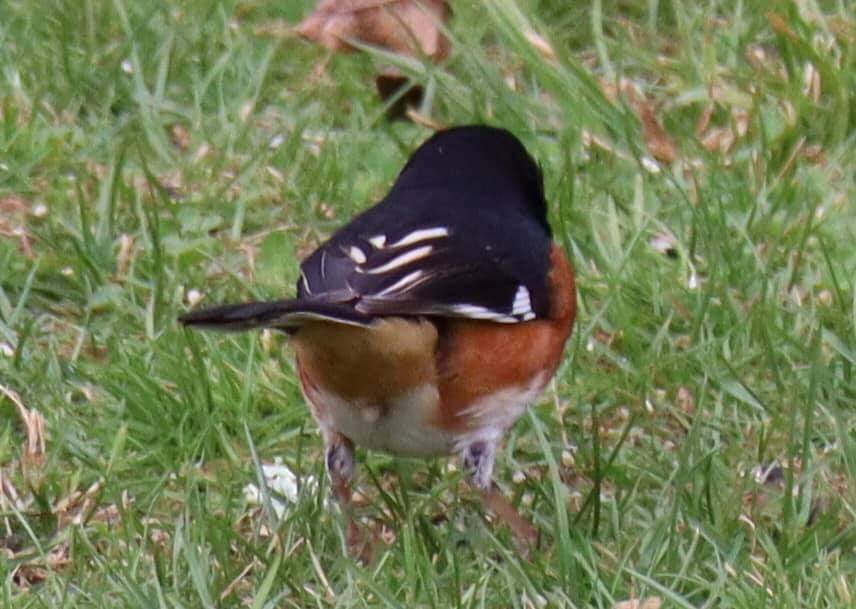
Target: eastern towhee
[(430, 322)]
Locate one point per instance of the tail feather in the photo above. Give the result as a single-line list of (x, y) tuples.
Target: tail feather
[(287, 314)]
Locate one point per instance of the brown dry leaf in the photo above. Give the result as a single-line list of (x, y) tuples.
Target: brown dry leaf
[(590, 140), (410, 27), (11, 206), (651, 602), (718, 139), (180, 136), (757, 56), (28, 575), (604, 337), (13, 210), (657, 141), (685, 400), (240, 580), (34, 425), (80, 506), (541, 44), (811, 82), (722, 139), (741, 121), (58, 557), (780, 26), (704, 120), (123, 258), (813, 153), (683, 342)]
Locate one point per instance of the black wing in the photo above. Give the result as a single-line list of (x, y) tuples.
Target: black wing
[(462, 233)]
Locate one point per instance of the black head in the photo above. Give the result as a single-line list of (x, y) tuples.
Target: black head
[(488, 157)]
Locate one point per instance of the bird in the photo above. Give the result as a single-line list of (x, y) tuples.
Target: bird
[(428, 324)]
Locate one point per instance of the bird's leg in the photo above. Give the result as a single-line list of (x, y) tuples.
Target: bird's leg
[(478, 458), (340, 466)]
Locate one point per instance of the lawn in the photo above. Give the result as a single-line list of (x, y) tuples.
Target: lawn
[(698, 446)]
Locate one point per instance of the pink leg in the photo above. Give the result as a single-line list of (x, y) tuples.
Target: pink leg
[(478, 458)]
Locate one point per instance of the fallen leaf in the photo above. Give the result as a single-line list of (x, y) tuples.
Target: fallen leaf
[(741, 121), (657, 141), (27, 575), (410, 27), (757, 56), (704, 120), (683, 341), (240, 579), (718, 139), (30, 574), (685, 400), (180, 136), (13, 211), (780, 26), (811, 82), (541, 44), (604, 337), (813, 153), (34, 424), (123, 258)]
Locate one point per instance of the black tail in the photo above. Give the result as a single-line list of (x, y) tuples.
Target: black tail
[(283, 314)]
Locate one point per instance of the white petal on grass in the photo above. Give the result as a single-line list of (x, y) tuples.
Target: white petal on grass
[(193, 296), (650, 165), (693, 281), (283, 484)]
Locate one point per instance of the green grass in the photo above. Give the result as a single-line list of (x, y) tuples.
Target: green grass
[(685, 372)]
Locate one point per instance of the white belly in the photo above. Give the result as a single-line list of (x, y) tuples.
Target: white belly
[(403, 427)]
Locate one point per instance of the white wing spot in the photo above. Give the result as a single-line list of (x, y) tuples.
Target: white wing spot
[(522, 304), (479, 312), (405, 282), (402, 260), (305, 283), (356, 254), (422, 235), (378, 241)]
